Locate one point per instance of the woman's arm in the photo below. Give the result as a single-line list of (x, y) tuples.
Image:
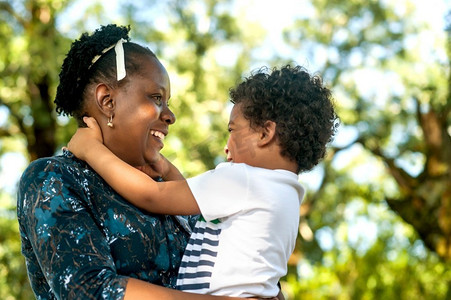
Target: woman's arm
[(170, 197), (138, 289)]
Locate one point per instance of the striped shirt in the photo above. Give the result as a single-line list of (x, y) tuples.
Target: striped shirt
[(199, 258)]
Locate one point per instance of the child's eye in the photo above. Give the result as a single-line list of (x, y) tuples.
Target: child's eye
[(229, 129)]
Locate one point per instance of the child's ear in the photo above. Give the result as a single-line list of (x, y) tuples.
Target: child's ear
[(267, 133), (104, 100)]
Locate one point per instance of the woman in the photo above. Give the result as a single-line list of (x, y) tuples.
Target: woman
[(80, 238)]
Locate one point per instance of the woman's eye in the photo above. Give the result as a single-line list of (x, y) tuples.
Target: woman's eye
[(158, 99)]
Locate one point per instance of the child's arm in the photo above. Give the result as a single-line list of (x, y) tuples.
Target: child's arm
[(170, 197)]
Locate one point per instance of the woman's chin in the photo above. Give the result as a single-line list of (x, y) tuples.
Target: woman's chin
[(152, 158)]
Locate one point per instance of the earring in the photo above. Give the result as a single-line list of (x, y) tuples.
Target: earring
[(110, 122)]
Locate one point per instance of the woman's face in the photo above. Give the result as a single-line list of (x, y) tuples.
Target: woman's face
[(141, 115)]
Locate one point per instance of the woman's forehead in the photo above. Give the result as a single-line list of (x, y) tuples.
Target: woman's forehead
[(154, 73)]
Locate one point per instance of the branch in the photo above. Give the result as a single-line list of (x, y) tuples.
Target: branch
[(406, 210), (447, 108), (335, 150), (5, 6), (404, 180), (17, 117), (5, 133), (307, 204)]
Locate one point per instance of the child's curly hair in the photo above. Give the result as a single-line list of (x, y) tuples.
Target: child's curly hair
[(298, 103), (78, 71)]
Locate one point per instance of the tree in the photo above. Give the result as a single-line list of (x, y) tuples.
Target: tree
[(393, 96), (32, 56), (373, 39)]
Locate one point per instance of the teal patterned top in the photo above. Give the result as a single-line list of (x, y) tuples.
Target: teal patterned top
[(81, 240)]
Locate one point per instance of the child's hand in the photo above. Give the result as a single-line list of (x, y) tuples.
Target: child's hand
[(85, 138)]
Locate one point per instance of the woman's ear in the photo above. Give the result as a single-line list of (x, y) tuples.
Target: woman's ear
[(104, 100), (267, 133)]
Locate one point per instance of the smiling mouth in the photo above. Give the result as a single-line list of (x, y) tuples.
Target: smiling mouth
[(158, 134)]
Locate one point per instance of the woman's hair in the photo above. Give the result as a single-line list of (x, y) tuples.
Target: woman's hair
[(298, 103), (78, 71)]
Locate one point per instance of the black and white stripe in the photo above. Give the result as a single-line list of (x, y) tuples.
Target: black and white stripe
[(199, 257)]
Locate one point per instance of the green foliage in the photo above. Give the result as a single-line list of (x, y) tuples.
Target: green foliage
[(373, 53), (346, 274), (14, 282), (367, 252), (197, 33), (33, 53)]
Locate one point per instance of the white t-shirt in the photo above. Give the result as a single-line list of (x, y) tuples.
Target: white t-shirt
[(241, 244)]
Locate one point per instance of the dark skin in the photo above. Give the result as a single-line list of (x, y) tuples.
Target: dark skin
[(140, 115)]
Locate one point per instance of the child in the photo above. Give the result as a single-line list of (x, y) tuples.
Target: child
[(279, 126)]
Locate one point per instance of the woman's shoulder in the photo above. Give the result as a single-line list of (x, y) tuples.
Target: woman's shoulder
[(53, 166), (44, 162)]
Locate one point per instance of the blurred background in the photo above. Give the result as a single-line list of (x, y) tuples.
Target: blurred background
[(376, 221)]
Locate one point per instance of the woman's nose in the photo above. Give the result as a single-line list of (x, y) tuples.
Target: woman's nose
[(168, 116), (226, 149)]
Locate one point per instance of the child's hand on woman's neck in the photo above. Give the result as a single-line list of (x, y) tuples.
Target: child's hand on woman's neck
[(85, 139)]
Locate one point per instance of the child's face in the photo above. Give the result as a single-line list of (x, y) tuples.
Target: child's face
[(242, 142)]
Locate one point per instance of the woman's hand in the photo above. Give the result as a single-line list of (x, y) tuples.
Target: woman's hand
[(85, 138)]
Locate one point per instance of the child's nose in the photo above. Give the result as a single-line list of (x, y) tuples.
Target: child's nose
[(227, 152)]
